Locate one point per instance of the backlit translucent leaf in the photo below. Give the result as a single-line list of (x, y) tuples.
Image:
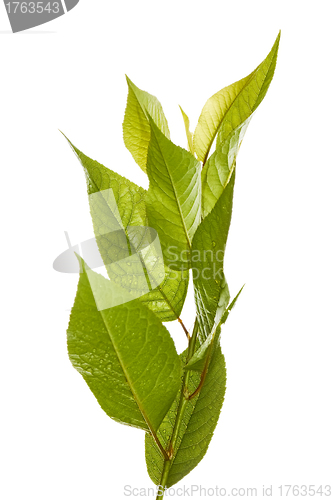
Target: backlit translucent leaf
[(174, 197), (219, 167), (167, 299), (136, 127), (189, 134), (198, 425), (231, 106), (125, 355)]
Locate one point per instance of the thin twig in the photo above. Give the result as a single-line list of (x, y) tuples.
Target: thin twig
[(159, 444), (184, 328), (203, 374)]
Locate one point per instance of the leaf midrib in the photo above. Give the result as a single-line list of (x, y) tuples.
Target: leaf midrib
[(252, 75), (128, 379), (174, 190), (223, 117)]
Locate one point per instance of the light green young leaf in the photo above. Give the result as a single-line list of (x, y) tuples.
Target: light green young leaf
[(208, 247), (219, 167), (189, 134), (231, 106), (125, 355), (167, 299), (136, 127), (198, 425), (198, 360), (174, 197)]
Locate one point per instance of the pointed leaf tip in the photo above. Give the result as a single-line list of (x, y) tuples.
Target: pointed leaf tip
[(136, 126), (226, 110)]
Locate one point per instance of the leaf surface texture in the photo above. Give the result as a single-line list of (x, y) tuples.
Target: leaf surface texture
[(197, 427), (136, 127), (174, 197), (125, 355), (231, 106), (166, 300)]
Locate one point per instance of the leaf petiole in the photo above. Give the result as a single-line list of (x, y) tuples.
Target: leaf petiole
[(184, 328)]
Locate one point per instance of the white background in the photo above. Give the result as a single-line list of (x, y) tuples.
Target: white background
[(276, 423)]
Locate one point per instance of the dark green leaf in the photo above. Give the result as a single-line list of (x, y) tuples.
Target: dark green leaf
[(209, 242), (125, 355), (174, 197), (197, 428)]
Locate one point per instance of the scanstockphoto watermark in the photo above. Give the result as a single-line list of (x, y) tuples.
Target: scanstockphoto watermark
[(195, 255), (204, 264), (189, 491), (269, 491)]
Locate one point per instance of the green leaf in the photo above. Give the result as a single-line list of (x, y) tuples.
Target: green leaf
[(198, 360), (219, 168), (167, 299), (136, 127), (197, 428), (148, 241), (174, 197), (231, 106), (208, 248), (189, 134), (125, 355), (200, 417)]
